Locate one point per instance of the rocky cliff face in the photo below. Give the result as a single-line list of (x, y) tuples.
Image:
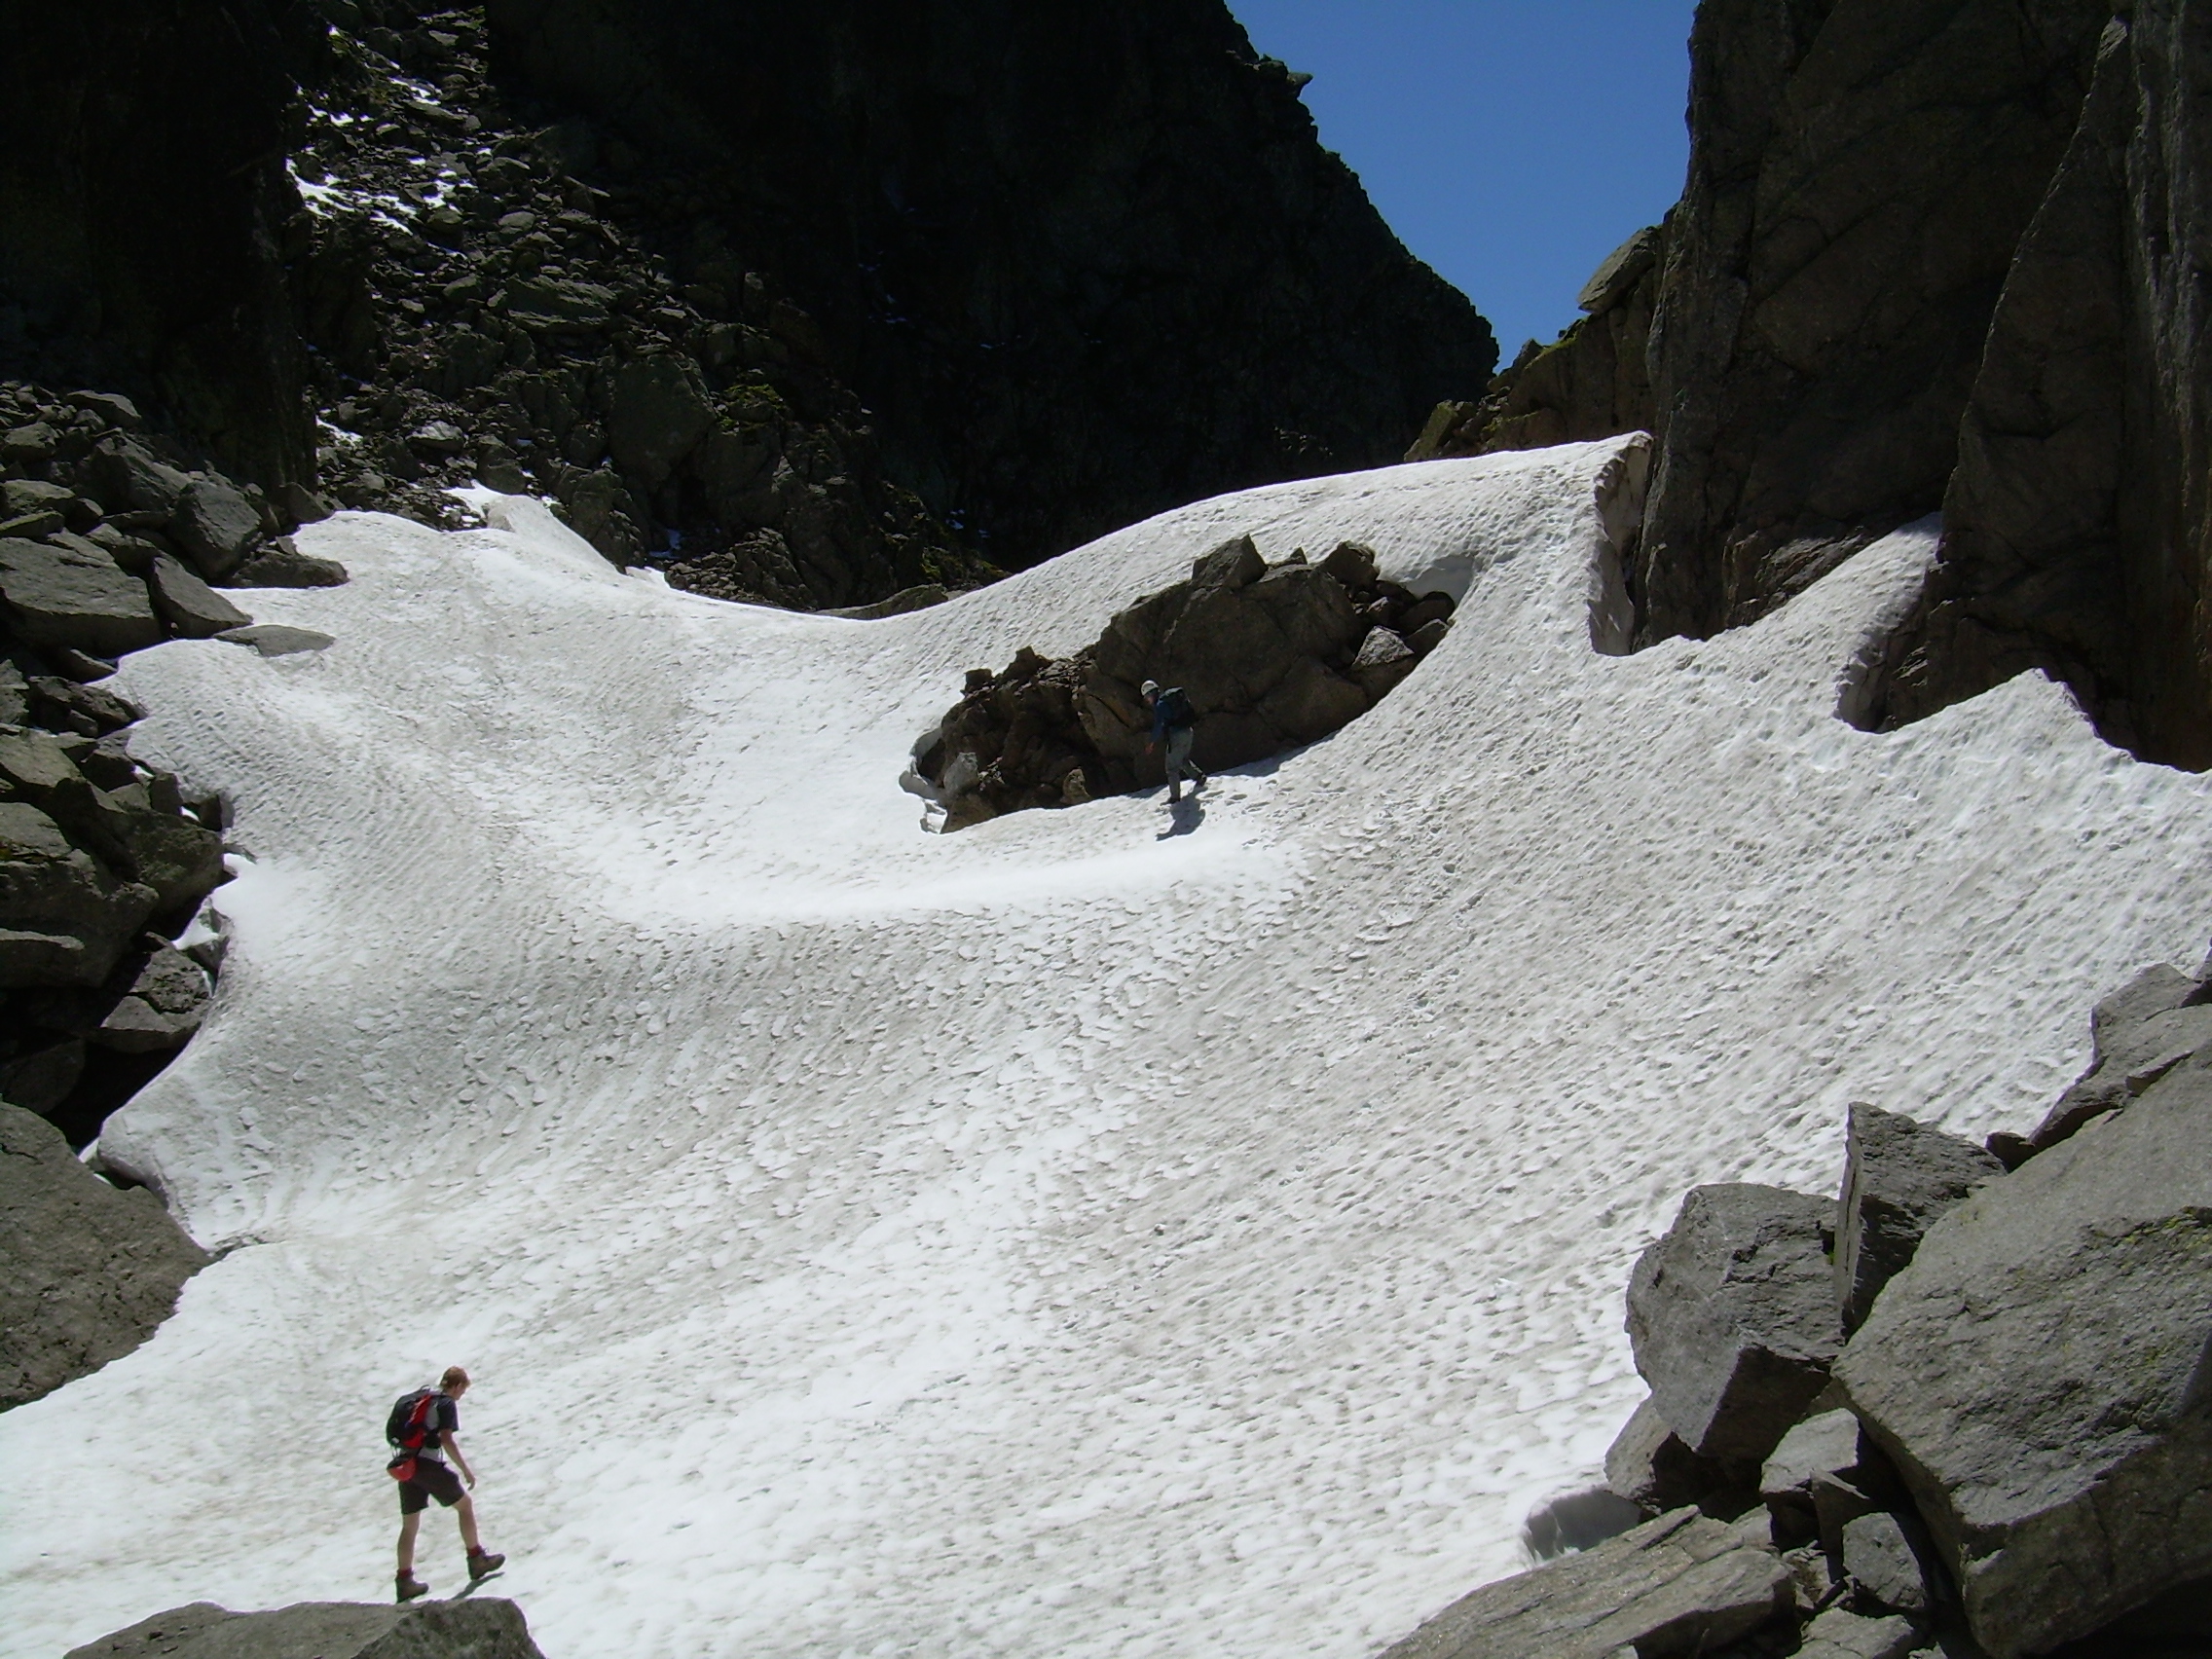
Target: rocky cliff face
[(148, 217), (811, 306), (1085, 262), (1861, 173), (2077, 529), (1930, 255)]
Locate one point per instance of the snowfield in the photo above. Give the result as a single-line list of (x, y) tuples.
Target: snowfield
[(1090, 1233)]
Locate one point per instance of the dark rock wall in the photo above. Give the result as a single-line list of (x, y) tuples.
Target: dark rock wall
[(146, 211), (1861, 173), (2078, 529), (1085, 262)]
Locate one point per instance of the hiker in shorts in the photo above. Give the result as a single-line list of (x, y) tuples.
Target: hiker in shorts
[(1174, 724), (427, 1419)]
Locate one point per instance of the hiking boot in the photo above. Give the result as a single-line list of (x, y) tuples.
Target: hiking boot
[(482, 1564), (406, 1587)]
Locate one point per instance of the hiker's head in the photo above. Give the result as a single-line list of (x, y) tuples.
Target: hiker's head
[(1150, 690), (454, 1382)]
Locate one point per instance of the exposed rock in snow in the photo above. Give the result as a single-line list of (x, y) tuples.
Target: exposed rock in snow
[(1269, 657), (87, 1273), (2138, 1034)]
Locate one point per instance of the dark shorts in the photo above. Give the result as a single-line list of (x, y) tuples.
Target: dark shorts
[(432, 1479)]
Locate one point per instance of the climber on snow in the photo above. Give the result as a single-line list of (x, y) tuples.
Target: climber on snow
[(421, 1430), (1173, 723)]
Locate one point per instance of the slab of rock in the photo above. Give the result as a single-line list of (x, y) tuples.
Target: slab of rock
[(69, 919), (2036, 1375), (164, 1007), (87, 1271), (66, 595), (281, 563), (275, 639), (1731, 1313), (483, 1627), (1680, 1585), (1898, 1177), (1838, 1634), (1649, 1465), (918, 598), (188, 605)]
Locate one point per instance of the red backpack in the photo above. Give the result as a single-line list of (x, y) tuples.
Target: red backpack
[(406, 1428)]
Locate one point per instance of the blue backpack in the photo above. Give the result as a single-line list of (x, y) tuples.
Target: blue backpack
[(1174, 708)]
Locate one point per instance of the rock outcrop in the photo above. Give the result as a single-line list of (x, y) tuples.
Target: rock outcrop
[(1270, 656), (87, 1271), (483, 1627), (648, 261), (1590, 382), (1860, 175), (149, 218), (1929, 255)]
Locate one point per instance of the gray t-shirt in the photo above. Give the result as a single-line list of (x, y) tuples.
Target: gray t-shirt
[(443, 1417)]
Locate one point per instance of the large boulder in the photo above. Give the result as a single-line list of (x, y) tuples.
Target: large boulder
[(215, 524), (87, 1271), (2037, 1376), (188, 605), (1677, 1586), (76, 596), (64, 919), (1732, 1316), (483, 1627), (1899, 1176)]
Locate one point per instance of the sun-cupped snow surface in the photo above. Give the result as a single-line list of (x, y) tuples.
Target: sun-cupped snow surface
[(1095, 1233)]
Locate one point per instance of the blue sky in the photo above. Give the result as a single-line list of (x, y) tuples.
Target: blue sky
[(1512, 144)]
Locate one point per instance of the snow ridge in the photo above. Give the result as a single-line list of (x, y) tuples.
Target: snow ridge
[(1067, 1238)]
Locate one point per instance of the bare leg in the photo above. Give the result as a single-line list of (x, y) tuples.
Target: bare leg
[(465, 1509), (408, 1525)]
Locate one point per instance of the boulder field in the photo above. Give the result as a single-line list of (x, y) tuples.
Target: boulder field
[(1958, 1408)]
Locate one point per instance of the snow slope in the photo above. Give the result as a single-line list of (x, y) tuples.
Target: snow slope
[(1070, 1236)]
